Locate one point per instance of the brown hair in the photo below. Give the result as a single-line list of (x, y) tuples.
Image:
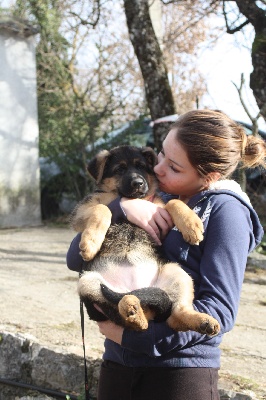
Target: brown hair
[(216, 143)]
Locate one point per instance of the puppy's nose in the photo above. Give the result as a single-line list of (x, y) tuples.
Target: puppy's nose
[(137, 183)]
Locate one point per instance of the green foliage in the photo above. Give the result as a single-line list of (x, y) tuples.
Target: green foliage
[(262, 247), (69, 117), (55, 100), (259, 43)]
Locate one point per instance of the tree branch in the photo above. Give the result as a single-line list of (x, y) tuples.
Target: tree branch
[(228, 29), (96, 10), (252, 11), (254, 121)]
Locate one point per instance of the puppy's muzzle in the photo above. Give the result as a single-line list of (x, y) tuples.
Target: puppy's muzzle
[(137, 183), (134, 186)]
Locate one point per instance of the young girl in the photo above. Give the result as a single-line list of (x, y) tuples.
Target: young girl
[(202, 149)]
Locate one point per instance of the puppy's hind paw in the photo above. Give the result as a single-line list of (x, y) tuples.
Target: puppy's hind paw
[(131, 311)]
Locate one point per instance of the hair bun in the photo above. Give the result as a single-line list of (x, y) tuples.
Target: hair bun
[(253, 151)]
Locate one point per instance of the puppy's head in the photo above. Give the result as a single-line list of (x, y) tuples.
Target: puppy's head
[(128, 170)]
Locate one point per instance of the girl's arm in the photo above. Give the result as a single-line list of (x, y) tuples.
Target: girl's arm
[(228, 239)]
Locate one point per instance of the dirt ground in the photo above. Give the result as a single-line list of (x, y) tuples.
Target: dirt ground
[(38, 296)]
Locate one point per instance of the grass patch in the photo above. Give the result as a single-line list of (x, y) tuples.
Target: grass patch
[(66, 327), (255, 275), (57, 222), (241, 384), (70, 279)]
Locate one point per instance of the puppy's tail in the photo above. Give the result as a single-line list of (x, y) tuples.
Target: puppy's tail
[(110, 295), (154, 298)]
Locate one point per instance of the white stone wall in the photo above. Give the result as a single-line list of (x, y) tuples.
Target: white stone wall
[(19, 154), (156, 18)]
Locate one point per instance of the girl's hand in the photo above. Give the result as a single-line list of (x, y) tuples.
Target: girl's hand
[(111, 331), (154, 219)]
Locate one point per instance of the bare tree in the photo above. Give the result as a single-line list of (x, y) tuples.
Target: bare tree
[(158, 92), (153, 68), (255, 15), (185, 28), (183, 31)]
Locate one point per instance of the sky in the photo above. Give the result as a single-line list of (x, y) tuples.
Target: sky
[(223, 65)]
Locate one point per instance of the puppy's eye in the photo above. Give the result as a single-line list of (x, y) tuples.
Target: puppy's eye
[(120, 169), (140, 165)]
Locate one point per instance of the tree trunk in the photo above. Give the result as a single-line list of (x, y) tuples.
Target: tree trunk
[(154, 72), (257, 18)]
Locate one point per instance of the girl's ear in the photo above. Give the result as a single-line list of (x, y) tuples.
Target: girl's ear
[(212, 178)]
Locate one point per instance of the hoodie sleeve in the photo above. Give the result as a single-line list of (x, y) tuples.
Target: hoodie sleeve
[(228, 240), (73, 258)]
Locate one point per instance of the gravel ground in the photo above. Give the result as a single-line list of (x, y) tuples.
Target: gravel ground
[(38, 296)]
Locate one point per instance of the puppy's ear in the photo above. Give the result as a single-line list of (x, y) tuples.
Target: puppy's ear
[(150, 156), (96, 165)]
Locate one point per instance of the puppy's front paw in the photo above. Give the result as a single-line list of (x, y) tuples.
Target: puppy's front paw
[(88, 250), (89, 246), (193, 232), (186, 221)]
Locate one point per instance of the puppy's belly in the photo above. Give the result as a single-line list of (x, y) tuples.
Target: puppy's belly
[(126, 278)]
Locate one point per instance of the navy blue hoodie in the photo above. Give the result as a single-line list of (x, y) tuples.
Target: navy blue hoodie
[(231, 231)]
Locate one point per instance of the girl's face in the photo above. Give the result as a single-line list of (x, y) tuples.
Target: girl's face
[(174, 171)]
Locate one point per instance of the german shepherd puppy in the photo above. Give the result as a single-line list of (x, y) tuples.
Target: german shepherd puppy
[(125, 273)]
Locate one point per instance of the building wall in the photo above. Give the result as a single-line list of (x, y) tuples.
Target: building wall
[(19, 154), (156, 18)]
